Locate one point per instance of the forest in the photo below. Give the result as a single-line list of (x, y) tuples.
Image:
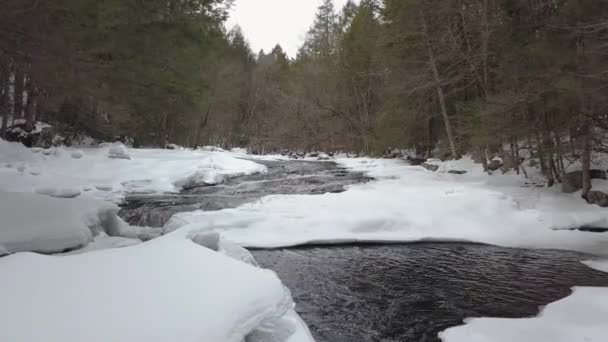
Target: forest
[(444, 78)]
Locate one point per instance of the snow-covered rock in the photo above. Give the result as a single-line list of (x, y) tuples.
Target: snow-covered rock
[(77, 154), (201, 178), (119, 151), (59, 192), (323, 156), (239, 150), (212, 149), (32, 222)]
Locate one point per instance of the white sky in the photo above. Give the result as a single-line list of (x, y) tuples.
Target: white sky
[(268, 22)]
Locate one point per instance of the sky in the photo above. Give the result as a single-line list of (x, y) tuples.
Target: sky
[(268, 22)]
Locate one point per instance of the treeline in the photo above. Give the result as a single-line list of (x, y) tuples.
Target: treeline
[(507, 78), (111, 68), (444, 77)]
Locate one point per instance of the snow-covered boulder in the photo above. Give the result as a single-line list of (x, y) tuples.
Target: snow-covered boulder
[(77, 154), (201, 178), (58, 192), (36, 223), (212, 149), (430, 167), (239, 150), (173, 147), (323, 156), (119, 151)]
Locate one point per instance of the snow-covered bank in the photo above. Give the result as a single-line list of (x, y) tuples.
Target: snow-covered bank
[(408, 203), (106, 173), (169, 289), (583, 316), (36, 223)]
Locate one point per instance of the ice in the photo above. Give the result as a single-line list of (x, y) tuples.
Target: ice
[(118, 151), (32, 222), (583, 317), (409, 203), (169, 289)]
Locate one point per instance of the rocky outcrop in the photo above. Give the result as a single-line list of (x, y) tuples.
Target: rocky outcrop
[(573, 181)]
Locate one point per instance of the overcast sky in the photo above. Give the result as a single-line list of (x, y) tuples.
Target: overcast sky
[(268, 22)]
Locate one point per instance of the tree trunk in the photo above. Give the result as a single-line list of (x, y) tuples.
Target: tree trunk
[(440, 93), (19, 88), (4, 88), (586, 161)]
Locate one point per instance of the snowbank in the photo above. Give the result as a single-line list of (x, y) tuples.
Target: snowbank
[(169, 289), (408, 203), (56, 170), (583, 316), (39, 223)]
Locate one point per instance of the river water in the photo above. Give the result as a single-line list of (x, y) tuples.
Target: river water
[(383, 293)]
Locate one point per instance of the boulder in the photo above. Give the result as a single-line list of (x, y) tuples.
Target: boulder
[(77, 154), (573, 181), (457, 172), (494, 165), (598, 197), (416, 161), (430, 167)]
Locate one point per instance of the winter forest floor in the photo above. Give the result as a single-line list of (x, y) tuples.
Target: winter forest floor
[(63, 203)]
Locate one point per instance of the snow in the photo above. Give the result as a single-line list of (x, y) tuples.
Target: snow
[(407, 204), (169, 289), (579, 317), (110, 286), (56, 171), (32, 222), (583, 316)]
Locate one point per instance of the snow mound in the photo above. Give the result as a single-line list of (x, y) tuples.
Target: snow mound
[(118, 151), (581, 317), (212, 149), (176, 290), (43, 224)]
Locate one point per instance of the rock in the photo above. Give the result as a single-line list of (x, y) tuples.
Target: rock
[(208, 240), (77, 154), (36, 149), (173, 147), (573, 181), (430, 167), (494, 165), (118, 151), (598, 197), (47, 152), (457, 172), (392, 154), (313, 154), (3, 251), (416, 161)]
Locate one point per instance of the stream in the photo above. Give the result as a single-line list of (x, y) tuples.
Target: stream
[(383, 293)]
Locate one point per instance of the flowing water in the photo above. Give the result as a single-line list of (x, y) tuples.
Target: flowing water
[(383, 293), (412, 292)]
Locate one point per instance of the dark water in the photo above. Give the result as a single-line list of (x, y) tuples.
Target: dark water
[(412, 292), (288, 178)]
